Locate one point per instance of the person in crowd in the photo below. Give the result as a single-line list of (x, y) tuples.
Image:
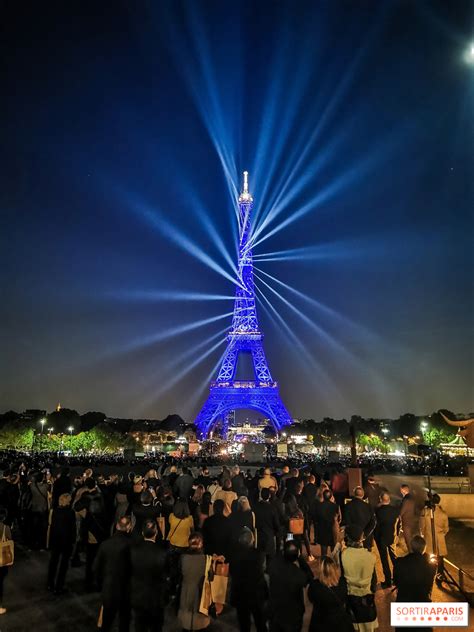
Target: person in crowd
[(241, 516), (267, 481), (249, 588), (292, 481), (62, 485), (238, 482), (358, 567), (216, 531), (151, 479), (413, 576), (279, 508), (309, 492), (204, 510), (195, 501), (385, 529), (358, 512), (91, 507), (372, 491), (284, 476), (340, 486), (267, 525), (214, 488), (121, 503), (112, 572), (62, 537), (181, 525), (193, 568), (146, 510), (441, 527), (204, 478), (326, 516), (148, 580), (183, 486), (5, 534), (409, 515), (328, 595), (289, 575), (39, 511), (293, 511), (227, 495), (304, 507)]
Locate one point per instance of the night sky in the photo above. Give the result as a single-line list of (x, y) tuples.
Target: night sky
[(125, 127)]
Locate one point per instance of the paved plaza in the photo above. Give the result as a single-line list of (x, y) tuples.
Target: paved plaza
[(32, 609)]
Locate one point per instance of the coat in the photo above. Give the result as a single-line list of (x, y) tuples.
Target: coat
[(112, 568), (329, 613), (441, 525), (193, 567), (413, 575), (183, 486), (359, 513), (325, 516), (62, 534), (247, 579), (39, 497), (287, 583), (216, 532), (387, 518), (268, 527), (148, 576)]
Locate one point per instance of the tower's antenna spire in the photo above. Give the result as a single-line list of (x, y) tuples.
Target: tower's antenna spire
[(245, 195), (246, 182)]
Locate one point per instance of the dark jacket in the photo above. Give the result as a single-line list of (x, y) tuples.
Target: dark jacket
[(268, 525), (183, 486), (216, 534), (248, 582), (143, 513), (329, 608), (325, 514), (287, 581), (62, 485), (95, 521), (148, 576), (387, 517), (62, 535), (360, 513), (238, 485), (112, 568), (413, 575)]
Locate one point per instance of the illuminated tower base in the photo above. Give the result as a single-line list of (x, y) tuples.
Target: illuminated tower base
[(226, 393)]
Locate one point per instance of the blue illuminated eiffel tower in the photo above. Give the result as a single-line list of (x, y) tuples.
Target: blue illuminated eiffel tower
[(226, 393)]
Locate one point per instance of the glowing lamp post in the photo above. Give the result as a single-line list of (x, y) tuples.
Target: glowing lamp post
[(42, 422)]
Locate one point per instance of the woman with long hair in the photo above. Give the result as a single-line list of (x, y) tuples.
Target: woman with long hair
[(181, 525), (292, 510), (204, 509), (328, 596)]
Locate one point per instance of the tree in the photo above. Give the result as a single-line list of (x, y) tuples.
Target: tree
[(14, 437)]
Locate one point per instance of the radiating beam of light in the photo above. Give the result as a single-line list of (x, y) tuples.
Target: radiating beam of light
[(290, 174), (310, 361), (168, 230), (166, 385), (315, 327), (196, 63), (322, 307), (152, 339), (333, 250), (166, 295), (204, 386)]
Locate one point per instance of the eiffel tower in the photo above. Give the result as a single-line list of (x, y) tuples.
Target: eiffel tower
[(226, 393)]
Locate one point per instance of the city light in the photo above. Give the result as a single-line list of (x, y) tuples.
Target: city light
[(469, 54)]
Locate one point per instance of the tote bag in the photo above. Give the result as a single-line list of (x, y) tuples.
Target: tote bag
[(7, 550)]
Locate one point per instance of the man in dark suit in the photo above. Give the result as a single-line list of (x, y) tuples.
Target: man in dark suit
[(326, 517), (267, 525), (289, 574), (387, 518), (217, 532), (413, 576), (358, 512), (148, 580), (249, 588), (409, 516), (112, 572)]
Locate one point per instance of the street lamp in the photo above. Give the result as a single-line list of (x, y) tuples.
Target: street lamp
[(70, 430), (42, 422), (385, 431)]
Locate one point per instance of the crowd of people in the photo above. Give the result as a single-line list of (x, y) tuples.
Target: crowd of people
[(146, 542)]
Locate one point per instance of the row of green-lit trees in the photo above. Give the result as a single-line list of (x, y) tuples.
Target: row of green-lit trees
[(100, 439)]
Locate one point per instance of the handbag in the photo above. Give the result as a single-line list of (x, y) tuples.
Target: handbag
[(296, 526), (363, 608), (7, 550)]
